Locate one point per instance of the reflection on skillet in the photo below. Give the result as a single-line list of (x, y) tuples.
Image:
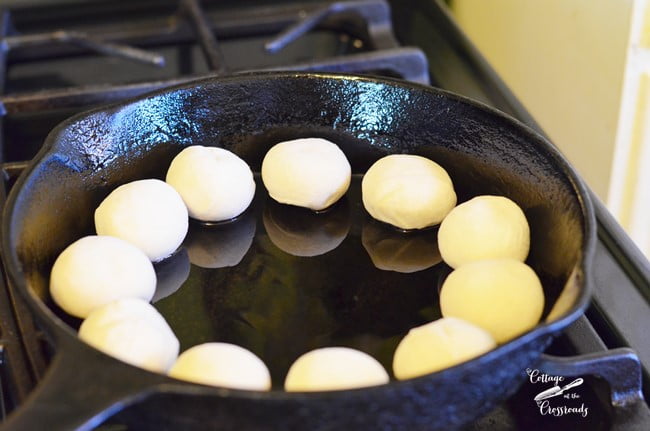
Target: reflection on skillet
[(406, 252), (222, 244), (280, 306), (171, 273), (303, 232)]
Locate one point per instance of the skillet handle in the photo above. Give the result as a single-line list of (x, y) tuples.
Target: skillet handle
[(80, 390), (621, 369)]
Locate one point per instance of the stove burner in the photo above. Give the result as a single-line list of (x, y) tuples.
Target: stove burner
[(205, 35), (86, 41), (385, 54)]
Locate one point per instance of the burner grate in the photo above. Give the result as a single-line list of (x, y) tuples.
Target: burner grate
[(375, 30)]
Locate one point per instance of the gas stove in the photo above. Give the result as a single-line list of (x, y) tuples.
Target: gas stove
[(61, 57)]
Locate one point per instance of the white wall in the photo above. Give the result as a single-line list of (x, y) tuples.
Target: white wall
[(629, 190), (564, 59)]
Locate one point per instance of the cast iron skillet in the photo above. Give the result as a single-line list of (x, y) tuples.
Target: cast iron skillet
[(484, 151)]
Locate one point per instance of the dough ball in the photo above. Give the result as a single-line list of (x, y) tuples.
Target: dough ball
[(438, 345), (149, 214), (485, 227), (96, 270), (132, 331), (334, 368), (404, 252), (407, 191), (222, 364), (221, 245), (502, 296), (214, 183), (303, 233), (312, 173)]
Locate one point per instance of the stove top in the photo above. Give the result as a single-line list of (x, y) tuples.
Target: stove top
[(58, 58)]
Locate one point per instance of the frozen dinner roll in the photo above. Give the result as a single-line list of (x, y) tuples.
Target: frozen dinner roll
[(311, 172), (438, 345), (132, 331), (407, 191), (222, 364), (149, 214), (502, 296), (485, 227), (96, 270), (214, 183), (334, 368)]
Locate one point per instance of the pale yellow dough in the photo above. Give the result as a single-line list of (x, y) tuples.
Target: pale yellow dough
[(334, 368), (438, 345), (485, 227), (311, 172), (504, 297), (149, 214), (222, 364), (96, 270), (132, 331), (407, 191), (214, 183)]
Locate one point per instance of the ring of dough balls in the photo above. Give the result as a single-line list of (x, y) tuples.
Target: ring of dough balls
[(502, 296), (485, 227), (334, 368), (311, 172), (407, 191), (215, 184), (132, 331), (149, 214), (438, 345), (96, 270), (224, 365)]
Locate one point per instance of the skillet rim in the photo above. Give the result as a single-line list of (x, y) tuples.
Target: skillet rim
[(63, 334)]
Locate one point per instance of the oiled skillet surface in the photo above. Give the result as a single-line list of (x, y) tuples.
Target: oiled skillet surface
[(484, 153)]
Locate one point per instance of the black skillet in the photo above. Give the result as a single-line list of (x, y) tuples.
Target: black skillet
[(484, 151)]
